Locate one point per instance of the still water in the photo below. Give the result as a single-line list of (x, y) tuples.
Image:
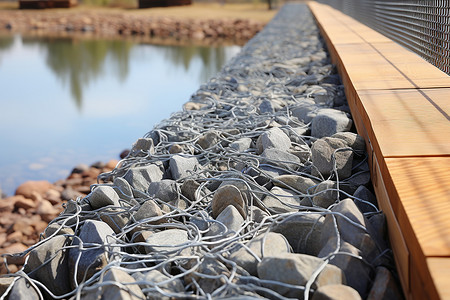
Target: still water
[(65, 101)]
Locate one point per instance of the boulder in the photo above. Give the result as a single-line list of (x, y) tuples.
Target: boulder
[(166, 190), (166, 241), (325, 194), (353, 140), (273, 138), (140, 177), (280, 158), (282, 201), (149, 210), (228, 195), (103, 195), (22, 289), (241, 145), (182, 167), (26, 189), (323, 151), (299, 183)]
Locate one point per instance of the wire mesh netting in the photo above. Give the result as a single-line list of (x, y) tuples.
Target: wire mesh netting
[(422, 26), (244, 194)]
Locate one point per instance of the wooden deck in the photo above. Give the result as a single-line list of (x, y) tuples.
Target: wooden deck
[(401, 106)]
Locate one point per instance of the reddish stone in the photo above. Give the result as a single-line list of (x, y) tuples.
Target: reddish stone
[(23, 226), (25, 204), (111, 164), (53, 196), (7, 204), (28, 187), (15, 237), (91, 173), (12, 249), (40, 226)]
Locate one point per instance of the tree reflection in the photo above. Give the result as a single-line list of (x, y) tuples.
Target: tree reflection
[(81, 61)]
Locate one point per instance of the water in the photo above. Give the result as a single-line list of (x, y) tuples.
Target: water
[(65, 101)]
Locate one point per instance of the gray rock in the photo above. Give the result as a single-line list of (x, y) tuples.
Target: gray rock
[(228, 195), (166, 190), (357, 235), (123, 188), (166, 241), (55, 227), (306, 110), (175, 148), (357, 272), (231, 218), (336, 292), (208, 139), (324, 194), (384, 286), (48, 263), (273, 138), (266, 107), (210, 267), (241, 145), (297, 269), (140, 177), (282, 201), (299, 183), (330, 121), (303, 232), (143, 147), (364, 194), (353, 140), (116, 218), (358, 179), (156, 278), (128, 289), (5, 282), (91, 260), (322, 157), (189, 188), (378, 229), (280, 158), (23, 290), (257, 214), (151, 211), (103, 195), (183, 166), (264, 245)]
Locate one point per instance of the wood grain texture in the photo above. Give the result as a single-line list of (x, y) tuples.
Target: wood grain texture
[(440, 272)]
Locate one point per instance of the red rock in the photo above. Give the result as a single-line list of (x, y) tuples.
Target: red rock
[(25, 204), (53, 196), (12, 249), (28, 187), (22, 226), (2, 239), (15, 237), (40, 226), (7, 204), (47, 211), (111, 164)]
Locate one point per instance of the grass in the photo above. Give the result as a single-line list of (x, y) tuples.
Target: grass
[(253, 11)]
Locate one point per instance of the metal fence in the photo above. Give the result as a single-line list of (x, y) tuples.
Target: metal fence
[(420, 25)]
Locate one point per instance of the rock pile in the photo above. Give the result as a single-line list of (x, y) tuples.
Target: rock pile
[(258, 189), (116, 24), (26, 214)]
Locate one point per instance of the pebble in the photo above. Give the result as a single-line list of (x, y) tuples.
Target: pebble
[(182, 167), (225, 196), (166, 241), (166, 190), (273, 138), (103, 196), (141, 177), (280, 159), (282, 201), (328, 122)]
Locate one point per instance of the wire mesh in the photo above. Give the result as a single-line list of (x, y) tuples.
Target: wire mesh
[(422, 26)]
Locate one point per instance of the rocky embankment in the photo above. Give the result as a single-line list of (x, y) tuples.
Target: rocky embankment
[(118, 24), (257, 189)]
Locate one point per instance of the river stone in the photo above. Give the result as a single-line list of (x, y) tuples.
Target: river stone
[(273, 138), (189, 187), (328, 122), (281, 200), (231, 218), (257, 214), (127, 290), (143, 147), (183, 166), (303, 232), (365, 194), (297, 269), (353, 140), (166, 241), (165, 190), (149, 210), (273, 243), (116, 218), (23, 290), (241, 145), (48, 263), (140, 177), (350, 233), (91, 260), (336, 292), (123, 188), (155, 278), (384, 286), (55, 227), (300, 183), (280, 159), (266, 107), (324, 197), (210, 266), (322, 151), (228, 195), (103, 195), (357, 272), (208, 139), (306, 110)]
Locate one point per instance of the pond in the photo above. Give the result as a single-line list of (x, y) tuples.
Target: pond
[(66, 101)]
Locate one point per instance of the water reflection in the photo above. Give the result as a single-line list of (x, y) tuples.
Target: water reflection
[(78, 62), (66, 101)]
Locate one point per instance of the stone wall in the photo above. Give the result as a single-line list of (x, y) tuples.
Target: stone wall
[(257, 189)]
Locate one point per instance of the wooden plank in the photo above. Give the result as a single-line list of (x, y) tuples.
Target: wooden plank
[(422, 185), (440, 272), (406, 123)]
